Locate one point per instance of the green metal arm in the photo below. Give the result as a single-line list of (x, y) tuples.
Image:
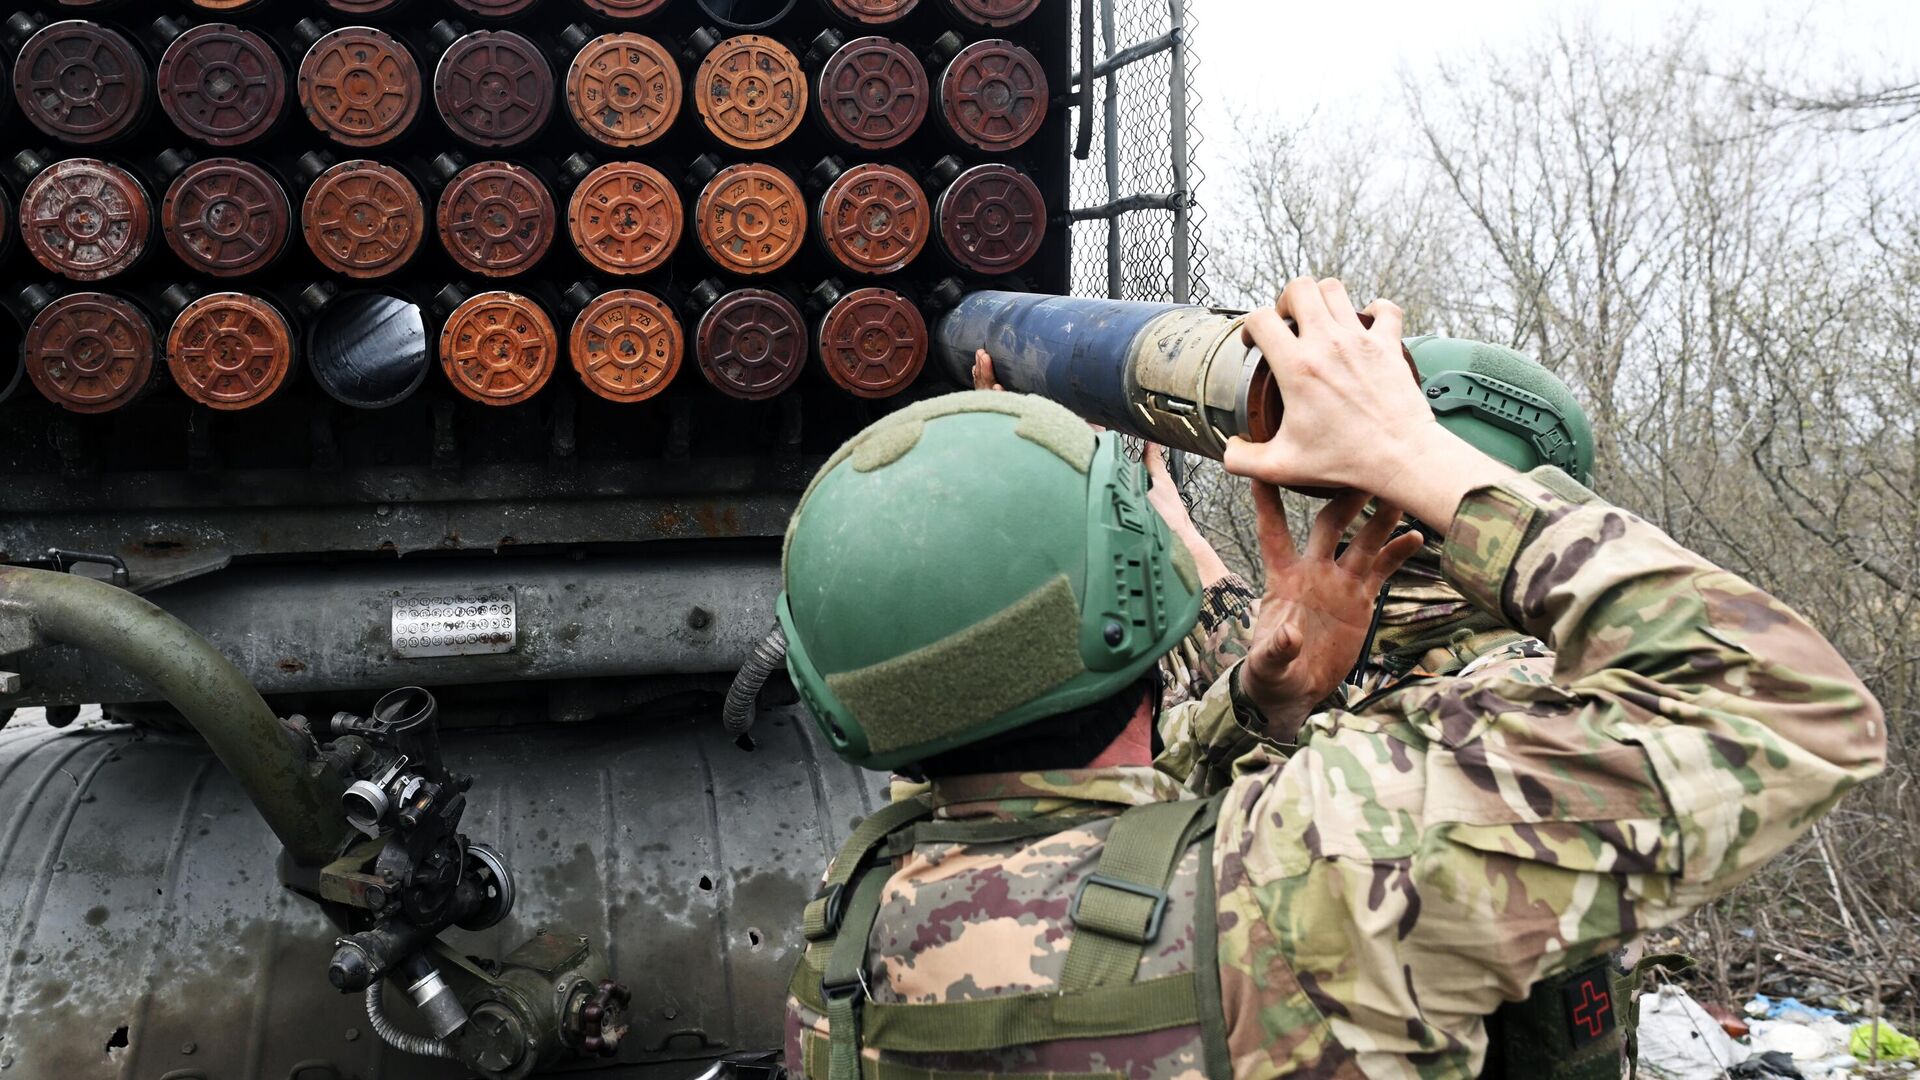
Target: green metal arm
[(42, 606)]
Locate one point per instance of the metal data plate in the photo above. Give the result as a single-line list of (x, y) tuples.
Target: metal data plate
[(454, 625)]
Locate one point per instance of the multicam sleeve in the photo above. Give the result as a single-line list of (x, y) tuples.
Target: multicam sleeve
[(1460, 838), (1205, 743), (1753, 724), (1215, 643)]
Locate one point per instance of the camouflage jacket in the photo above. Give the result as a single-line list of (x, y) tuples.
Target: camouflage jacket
[(1426, 629), (1218, 640), (1439, 848)]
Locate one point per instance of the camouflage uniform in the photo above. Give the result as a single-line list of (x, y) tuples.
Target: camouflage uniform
[(1383, 887), (1216, 642), (1426, 628)]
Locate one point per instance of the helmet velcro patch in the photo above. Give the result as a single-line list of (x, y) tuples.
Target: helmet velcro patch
[(886, 445), (1058, 430), (934, 691)]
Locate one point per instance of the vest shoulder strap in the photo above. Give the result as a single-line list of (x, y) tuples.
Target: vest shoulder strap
[(831, 976), (821, 920), (1217, 1058), (1120, 906), (996, 832)]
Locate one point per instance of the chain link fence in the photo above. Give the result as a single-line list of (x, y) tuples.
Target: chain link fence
[(1137, 231)]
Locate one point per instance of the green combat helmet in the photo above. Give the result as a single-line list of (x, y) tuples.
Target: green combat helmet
[(969, 565), (1505, 404)]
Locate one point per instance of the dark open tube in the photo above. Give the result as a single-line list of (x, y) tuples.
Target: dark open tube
[(196, 679), (369, 349), (13, 371)]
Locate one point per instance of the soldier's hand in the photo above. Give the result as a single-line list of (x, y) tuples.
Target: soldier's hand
[(983, 371), (1313, 619), (1164, 495), (1353, 418), (1162, 492)]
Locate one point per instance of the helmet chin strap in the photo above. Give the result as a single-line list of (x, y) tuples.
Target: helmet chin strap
[(1157, 695), (1357, 676)]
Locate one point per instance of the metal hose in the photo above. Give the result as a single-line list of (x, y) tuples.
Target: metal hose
[(207, 689), (418, 1045), (768, 657)]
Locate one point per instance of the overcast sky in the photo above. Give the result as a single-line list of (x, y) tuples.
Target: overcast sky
[(1289, 56)]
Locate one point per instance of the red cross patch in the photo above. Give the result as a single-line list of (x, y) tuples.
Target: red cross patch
[(1589, 1003)]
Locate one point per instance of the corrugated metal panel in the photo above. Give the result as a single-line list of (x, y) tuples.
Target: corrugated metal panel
[(137, 890)]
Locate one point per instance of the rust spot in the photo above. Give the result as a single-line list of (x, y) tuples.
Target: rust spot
[(717, 522), (291, 666)]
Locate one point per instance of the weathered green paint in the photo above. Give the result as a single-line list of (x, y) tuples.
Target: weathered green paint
[(213, 695)]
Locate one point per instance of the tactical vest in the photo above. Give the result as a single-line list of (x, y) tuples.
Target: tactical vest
[(1116, 912), (1567, 1030)]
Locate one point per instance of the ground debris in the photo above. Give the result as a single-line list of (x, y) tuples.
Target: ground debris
[(1786, 1039)]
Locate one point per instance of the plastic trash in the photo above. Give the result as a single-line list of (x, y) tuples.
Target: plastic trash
[(1772, 1065), (1817, 1044), (1786, 1008), (1679, 1040), (1807, 1040), (1894, 1046)]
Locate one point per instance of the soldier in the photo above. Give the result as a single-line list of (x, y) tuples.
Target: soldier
[(1352, 906), (1501, 402), (1517, 412)]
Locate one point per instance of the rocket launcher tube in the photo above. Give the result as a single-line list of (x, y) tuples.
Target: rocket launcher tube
[(1179, 375)]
